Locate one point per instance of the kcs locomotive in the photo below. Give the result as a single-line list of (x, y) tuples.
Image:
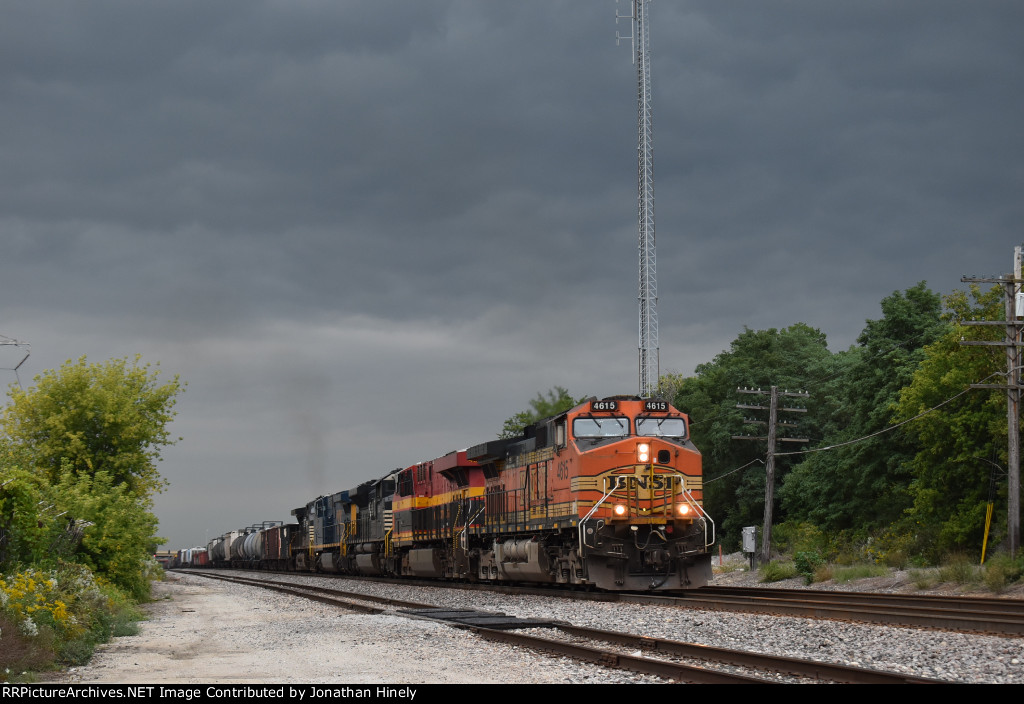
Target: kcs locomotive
[(605, 495)]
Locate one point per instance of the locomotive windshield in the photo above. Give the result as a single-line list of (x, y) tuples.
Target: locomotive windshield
[(661, 427), (604, 427)]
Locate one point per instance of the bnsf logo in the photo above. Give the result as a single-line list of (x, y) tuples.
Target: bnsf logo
[(659, 482), (645, 486)]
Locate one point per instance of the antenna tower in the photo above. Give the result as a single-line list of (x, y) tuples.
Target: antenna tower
[(648, 296)]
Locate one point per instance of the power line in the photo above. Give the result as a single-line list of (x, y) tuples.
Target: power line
[(891, 427), (723, 476)]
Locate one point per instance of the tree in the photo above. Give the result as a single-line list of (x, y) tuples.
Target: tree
[(558, 400), (89, 435), (109, 417), (27, 525), (121, 533), (793, 358), (866, 484), (957, 443)]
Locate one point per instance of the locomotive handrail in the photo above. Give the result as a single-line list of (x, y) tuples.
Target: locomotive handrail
[(455, 524), (463, 541), (583, 522), (704, 517)]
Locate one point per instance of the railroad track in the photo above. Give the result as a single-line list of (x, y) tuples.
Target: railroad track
[(963, 614), (1003, 617), (674, 659)]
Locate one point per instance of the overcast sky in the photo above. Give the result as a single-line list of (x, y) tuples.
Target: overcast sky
[(365, 233)]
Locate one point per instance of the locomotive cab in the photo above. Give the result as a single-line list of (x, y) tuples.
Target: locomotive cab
[(642, 524)]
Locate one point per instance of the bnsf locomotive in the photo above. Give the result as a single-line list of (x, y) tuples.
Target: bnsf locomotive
[(607, 494)]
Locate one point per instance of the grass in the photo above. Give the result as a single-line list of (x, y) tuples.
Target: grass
[(728, 567), (959, 569), (21, 654), (777, 570), (1002, 570), (925, 578), (849, 574)]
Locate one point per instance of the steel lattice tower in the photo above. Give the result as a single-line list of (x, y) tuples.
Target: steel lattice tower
[(648, 296)]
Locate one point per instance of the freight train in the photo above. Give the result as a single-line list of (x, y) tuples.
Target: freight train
[(606, 495)]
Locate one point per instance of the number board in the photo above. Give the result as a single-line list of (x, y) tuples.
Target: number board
[(656, 406), (604, 405)]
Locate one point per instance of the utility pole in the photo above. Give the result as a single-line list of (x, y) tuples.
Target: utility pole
[(648, 294), (1012, 343), (772, 439)]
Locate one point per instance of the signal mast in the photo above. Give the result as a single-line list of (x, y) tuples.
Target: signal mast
[(648, 296)]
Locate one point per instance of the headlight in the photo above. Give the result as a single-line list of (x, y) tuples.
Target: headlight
[(620, 510), (683, 509), (643, 453)]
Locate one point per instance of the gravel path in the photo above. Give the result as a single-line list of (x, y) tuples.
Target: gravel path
[(206, 631)]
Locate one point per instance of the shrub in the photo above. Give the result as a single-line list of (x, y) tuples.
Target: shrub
[(1001, 570), (61, 614), (924, 578), (20, 652), (776, 571), (958, 569), (792, 536), (823, 573), (806, 563)]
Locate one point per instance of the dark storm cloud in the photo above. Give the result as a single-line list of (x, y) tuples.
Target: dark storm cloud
[(394, 137), (316, 211)]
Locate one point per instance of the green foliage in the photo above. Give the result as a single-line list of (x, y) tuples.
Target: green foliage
[(807, 562), (110, 417), (794, 536), (957, 445), (776, 571), (86, 439), (27, 523), (893, 545), (57, 616), (959, 569), (867, 484), (924, 578), (556, 401), (791, 358), (122, 538), (1001, 570), (853, 572)]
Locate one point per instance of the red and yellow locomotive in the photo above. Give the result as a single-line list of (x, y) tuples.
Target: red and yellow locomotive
[(607, 494)]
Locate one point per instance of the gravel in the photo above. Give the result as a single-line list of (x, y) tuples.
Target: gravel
[(210, 631), (956, 657)]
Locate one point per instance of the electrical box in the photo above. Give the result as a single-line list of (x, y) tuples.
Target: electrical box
[(750, 539)]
